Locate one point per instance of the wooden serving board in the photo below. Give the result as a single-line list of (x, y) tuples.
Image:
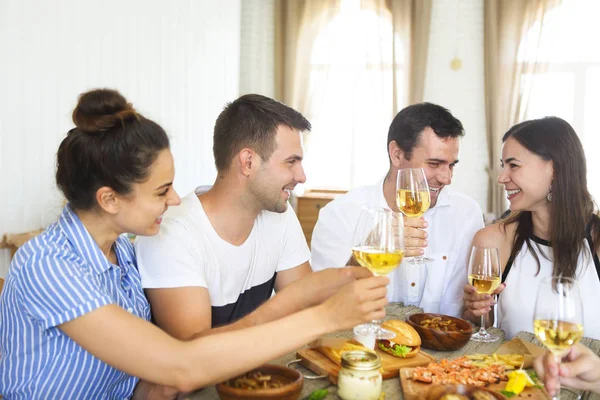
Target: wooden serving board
[(413, 390), (317, 362)]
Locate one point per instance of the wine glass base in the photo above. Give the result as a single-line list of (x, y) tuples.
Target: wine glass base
[(484, 337), (372, 330)]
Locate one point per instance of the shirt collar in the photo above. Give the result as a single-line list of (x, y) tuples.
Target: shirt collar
[(380, 198), (84, 244), (443, 198)]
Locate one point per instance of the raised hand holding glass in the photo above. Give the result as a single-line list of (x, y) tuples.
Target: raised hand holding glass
[(413, 198), (484, 274), (378, 244), (558, 315)]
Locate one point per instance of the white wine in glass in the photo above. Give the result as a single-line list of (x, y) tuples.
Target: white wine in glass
[(558, 315), (413, 198), (484, 274), (378, 261), (378, 244), (413, 203), (484, 284)]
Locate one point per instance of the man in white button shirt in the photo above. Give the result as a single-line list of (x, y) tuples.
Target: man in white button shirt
[(421, 136)]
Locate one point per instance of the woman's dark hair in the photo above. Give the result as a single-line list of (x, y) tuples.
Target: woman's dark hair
[(112, 145), (572, 207)]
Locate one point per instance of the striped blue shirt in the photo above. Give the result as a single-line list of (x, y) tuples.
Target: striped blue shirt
[(54, 278)]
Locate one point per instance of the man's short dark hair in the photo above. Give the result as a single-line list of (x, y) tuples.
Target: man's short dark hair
[(251, 121), (407, 127)]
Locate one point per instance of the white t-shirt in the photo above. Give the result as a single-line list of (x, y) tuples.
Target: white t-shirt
[(516, 303), (436, 287), (188, 252)]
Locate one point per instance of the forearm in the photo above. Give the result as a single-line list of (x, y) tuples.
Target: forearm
[(288, 301), (243, 350), (273, 309), (141, 349)]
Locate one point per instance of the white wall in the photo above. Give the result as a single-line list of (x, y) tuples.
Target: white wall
[(257, 50), (176, 61), (457, 30)]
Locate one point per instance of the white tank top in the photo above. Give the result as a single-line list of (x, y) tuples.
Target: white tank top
[(516, 303)]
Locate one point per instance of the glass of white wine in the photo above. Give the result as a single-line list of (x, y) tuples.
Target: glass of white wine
[(558, 316), (413, 198), (378, 244), (484, 274)]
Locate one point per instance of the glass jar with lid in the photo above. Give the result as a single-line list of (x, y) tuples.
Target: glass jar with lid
[(360, 376)]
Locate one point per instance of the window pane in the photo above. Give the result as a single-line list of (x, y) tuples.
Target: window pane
[(552, 93), (350, 93), (350, 120), (569, 34)]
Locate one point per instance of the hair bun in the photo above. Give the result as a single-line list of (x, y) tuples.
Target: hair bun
[(102, 109)]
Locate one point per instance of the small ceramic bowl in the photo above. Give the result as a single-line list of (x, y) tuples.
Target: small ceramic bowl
[(291, 389), (443, 392), (438, 339)]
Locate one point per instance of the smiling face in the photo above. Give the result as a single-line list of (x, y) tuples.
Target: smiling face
[(279, 175), (526, 177), (438, 157), (141, 211)]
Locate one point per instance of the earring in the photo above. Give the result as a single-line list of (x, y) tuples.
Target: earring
[(549, 196)]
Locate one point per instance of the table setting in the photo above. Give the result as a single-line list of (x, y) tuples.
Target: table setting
[(391, 387)]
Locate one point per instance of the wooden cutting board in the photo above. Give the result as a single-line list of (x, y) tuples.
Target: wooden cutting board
[(317, 362), (413, 390)]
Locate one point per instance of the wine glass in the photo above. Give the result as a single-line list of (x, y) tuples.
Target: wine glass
[(558, 315), (484, 274), (378, 244), (413, 198)]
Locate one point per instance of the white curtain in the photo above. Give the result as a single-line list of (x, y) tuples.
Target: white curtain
[(508, 23), (570, 86), (351, 71), (177, 61)]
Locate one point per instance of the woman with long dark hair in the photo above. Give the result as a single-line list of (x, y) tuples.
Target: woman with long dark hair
[(553, 228)]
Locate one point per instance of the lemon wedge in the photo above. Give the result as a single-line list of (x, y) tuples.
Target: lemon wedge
[(517, 381)]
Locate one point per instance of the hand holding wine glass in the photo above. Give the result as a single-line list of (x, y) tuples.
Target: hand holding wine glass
[(378, 244), (558, 316), (579, 369), (413, 198), (484, 275)]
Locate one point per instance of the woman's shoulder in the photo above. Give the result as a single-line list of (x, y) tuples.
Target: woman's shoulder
[(44, 251), (499, 235), (494, 234)]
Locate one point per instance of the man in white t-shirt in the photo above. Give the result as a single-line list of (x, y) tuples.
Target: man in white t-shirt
[(221, 253), (421, 136)]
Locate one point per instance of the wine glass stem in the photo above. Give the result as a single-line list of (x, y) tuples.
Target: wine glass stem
[(556, 395), (482, 330)]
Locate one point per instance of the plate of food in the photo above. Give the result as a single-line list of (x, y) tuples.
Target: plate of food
[(441, 332), (324, 355), (497, 373), (274, 382)]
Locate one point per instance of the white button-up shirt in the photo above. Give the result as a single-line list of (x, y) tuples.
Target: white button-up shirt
[(437, 286)]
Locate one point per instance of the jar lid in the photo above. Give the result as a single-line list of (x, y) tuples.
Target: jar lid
[(361, 360)]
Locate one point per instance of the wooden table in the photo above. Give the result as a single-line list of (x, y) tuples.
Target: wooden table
[(391, 387)]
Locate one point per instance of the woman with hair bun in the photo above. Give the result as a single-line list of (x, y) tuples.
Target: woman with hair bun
[(74, 322)]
